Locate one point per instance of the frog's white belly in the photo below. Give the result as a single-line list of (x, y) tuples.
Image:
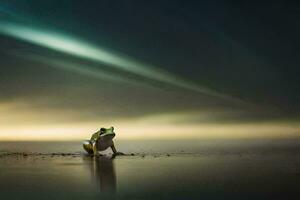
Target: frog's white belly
[(105, 141)]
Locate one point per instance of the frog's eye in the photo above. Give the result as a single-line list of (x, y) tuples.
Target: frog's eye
[(102, 130)]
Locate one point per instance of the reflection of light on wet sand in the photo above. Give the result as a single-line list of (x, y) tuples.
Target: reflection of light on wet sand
[(216, 176)]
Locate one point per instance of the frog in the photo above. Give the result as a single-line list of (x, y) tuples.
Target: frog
[(100, 141)]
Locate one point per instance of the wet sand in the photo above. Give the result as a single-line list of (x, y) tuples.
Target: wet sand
[(66, 175)]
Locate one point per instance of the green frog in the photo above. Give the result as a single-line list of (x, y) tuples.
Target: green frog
[(100, 141)]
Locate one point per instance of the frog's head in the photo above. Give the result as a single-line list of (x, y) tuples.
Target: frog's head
[(110, 130), (106, 130)]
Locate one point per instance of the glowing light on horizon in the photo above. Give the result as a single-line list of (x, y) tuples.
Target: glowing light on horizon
[(168, 126), (126, 130)]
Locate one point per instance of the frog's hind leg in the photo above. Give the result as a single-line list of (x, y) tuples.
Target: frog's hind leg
[(88, 147)]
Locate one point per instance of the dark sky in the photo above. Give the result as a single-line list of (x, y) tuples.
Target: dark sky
[(247, 51)]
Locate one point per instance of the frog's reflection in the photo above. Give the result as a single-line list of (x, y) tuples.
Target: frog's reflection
[(102, 173)]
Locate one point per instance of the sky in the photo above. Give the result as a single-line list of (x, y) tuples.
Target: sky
[(152, 69)]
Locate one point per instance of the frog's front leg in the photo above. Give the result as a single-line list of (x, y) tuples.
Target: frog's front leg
[(115, 152)]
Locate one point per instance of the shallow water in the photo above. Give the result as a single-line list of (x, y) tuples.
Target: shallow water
[(258, 170)]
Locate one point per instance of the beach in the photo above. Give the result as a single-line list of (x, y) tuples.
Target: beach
[(213, 173)]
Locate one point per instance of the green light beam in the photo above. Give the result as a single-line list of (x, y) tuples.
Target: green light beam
[(73, 46)]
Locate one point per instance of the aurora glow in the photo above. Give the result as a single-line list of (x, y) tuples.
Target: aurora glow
[(79, 48), (81, 69)]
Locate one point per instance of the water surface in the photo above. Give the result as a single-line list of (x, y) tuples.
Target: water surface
[(157, 170)]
